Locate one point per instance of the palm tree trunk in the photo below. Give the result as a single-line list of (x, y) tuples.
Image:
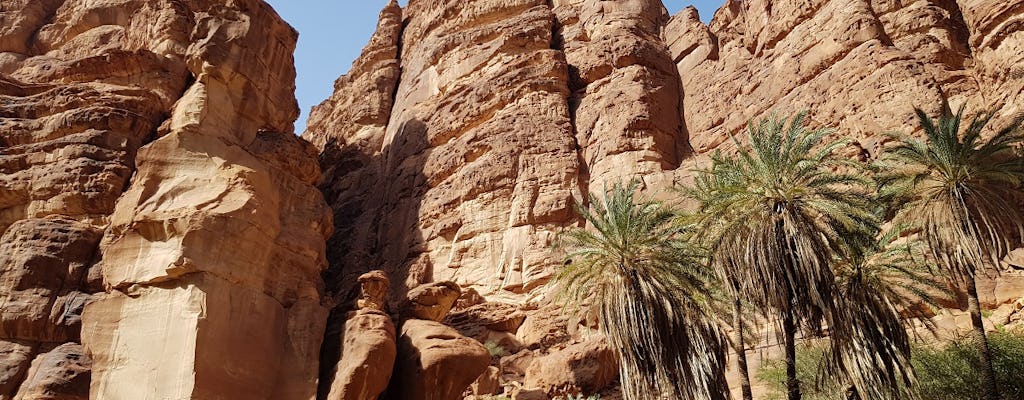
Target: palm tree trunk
[(792, 383), (988, 374), (741, 350)]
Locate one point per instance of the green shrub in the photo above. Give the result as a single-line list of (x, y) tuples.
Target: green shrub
[(495, 349), (808, 362), (952, 373), (946, 373)]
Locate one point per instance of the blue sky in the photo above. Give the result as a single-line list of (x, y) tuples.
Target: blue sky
[(333, 32)]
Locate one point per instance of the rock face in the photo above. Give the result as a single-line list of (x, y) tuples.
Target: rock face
[(368, 349), (455, 147), (459, 140), (586, 367), (442, 187), (859, 66), (435, 362), (432, 301), (148, 168), (164, 235)]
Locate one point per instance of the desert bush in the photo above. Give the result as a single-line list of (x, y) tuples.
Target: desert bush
[(954, 373), (950, 372)]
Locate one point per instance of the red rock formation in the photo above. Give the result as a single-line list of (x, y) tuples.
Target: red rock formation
[(626, 96), (148, 168), (504, 112), (445, 191), (435, 362), (212, 252), (368, 349)]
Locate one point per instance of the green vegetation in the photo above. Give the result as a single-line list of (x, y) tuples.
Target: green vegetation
[(775, 218), (495, 349), (961, 190), (949, 373), (821, 247), (809, 360), (650, 285)]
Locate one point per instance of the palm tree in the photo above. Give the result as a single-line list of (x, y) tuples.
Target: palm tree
[(896, 267), (775, 215), (877, 284), (648, 284), (729, 303), (739, 343), (961, 189)]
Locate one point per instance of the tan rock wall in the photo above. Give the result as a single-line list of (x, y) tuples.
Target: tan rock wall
[(626, 93), (224, 211), (148, 169), (447, 193), (163, 127), (80, 91), (503, 112)]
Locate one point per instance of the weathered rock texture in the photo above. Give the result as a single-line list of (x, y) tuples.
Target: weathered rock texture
[(162, 232), (443, 188), (457, 143), (435, 362), (368, 347), (148, 168), (454, 148)]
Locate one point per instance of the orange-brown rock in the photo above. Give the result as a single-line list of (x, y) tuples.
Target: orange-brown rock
[(43, 266), (431, 301), (489, 383), (585, 368), (368, 348), (15, 360), (452, 153), (211, 252), (435, 362), (349, 129), (626, 94), (503, 112), (488, 321), (367, 357), (59, 374), (81, 90), (445, 190), (225, 170)]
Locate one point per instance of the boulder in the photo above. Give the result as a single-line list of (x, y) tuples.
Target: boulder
[(431, 301), (15, 359), (368, 347), (367, 357), (587, 367), (489, 383), (435, 362)]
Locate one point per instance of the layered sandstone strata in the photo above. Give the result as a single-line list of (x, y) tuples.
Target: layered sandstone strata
[(438, 185), (147, 169), (164, 128), (484, 121)]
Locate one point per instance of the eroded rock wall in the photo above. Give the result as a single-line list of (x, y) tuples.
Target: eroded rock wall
[(150, 176), (163, 236), (449, 189), (461, 137)]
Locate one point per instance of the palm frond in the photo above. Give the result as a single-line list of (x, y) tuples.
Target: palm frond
[(960, 188), (651, 288)]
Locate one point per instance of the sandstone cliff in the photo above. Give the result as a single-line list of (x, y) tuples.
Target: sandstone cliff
[(457, 143), (149, 170), (162, 235)]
